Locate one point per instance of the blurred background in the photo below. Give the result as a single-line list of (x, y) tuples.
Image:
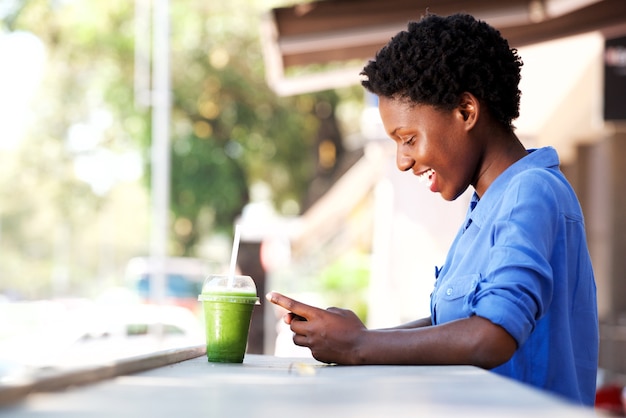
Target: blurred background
[(135, 135)]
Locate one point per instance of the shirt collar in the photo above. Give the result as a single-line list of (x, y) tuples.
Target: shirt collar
[(545, 157)]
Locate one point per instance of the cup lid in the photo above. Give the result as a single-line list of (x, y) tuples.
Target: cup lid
[(237, 289), (225, 297)]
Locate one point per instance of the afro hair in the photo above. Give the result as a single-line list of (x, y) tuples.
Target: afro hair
[(438, 58)]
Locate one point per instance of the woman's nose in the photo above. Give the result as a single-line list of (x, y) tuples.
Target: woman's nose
[(403, 161)]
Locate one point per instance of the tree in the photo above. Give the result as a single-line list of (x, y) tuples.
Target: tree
[(228, 130), (232, 129)]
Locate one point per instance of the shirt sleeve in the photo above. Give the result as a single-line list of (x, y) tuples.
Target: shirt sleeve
[(517, 286)]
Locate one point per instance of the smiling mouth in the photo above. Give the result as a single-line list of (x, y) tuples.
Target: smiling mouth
[(425, 175)]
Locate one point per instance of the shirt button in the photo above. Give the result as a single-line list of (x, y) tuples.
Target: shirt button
[(449, 291)]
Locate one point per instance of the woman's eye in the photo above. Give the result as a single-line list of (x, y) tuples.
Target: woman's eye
[(408, 141)]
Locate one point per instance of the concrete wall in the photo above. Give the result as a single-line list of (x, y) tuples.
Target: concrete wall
[(597, 176)]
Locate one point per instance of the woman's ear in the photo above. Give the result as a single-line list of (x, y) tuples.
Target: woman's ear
[(469, 109)]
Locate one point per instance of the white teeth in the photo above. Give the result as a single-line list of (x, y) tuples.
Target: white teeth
[(426, 175)]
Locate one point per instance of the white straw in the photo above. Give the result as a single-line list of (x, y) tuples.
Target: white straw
[(233, 256)]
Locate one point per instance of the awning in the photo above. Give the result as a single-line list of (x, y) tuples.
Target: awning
[(340, 35)]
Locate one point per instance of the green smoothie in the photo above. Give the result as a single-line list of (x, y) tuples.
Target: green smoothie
[(227, 314)]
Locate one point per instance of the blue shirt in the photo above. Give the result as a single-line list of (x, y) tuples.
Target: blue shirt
[(521, 261)]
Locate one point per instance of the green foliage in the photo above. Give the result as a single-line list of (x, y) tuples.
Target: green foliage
[(345, 283), (60, 236), (205, 182), (228, 131)]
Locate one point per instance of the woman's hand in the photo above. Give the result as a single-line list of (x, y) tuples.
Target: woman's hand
[(338, 336), (333, 335)]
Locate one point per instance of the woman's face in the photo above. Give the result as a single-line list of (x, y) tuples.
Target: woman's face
[(434, 144)]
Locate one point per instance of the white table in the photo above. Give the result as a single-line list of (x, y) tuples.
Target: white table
[(267, 386)]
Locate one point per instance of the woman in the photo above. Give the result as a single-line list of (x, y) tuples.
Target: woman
[(516, 293)]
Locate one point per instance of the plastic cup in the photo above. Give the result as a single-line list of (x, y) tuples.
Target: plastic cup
[(227, 313)]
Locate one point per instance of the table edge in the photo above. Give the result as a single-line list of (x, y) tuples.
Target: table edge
[(63, 379)]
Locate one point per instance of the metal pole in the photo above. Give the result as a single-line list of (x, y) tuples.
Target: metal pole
[(142, 54), (161, 103)]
